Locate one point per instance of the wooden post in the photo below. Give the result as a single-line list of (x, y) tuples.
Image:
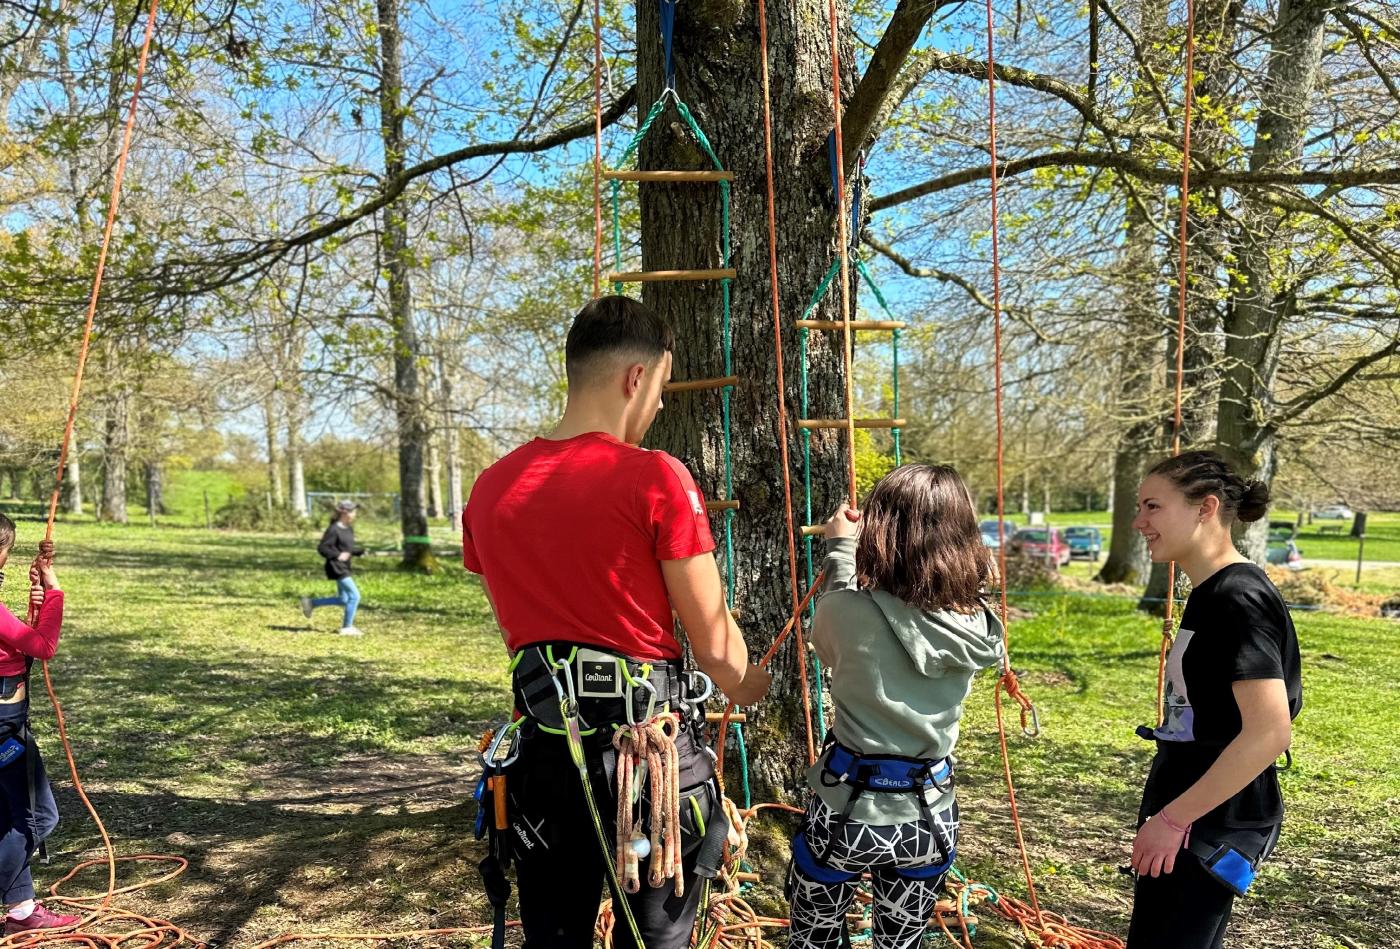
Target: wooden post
[(208, 523)]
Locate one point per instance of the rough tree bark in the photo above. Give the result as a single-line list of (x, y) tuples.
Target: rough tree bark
[(1260, 297), (717, 55), (408, 409)]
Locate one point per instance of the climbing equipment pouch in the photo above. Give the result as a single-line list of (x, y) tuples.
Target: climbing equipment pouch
[(1233, 857)]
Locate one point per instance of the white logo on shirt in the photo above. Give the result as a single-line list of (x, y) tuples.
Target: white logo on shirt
[(695, 504), (1179, 722)]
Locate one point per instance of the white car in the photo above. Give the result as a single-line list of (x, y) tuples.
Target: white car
[(1333, 512)]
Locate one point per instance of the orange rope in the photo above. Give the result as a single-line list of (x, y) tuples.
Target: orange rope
[(843, 237), (1181, 280), (597, 150), (784, 464), (83, 349)]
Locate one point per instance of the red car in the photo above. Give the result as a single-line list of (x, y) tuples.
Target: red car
[(1045, 543)]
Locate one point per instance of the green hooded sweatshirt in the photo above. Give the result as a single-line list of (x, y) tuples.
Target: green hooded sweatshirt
[(899, 675)]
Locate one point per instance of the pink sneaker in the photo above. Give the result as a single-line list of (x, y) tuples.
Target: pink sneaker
[(40, 918)]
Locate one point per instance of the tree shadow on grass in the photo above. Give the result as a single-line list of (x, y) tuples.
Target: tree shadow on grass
[(266, 865)]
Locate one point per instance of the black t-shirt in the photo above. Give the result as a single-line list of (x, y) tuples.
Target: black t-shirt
[(1235, 627), (339, 538)]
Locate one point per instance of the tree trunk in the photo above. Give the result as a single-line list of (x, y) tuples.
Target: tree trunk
[(451, 443), (117, 437), (1261, 300), (274, 455), (73, 483), (718, 61), (155, 488), (1127, 560), (434, 479), (408, 410), (296, 464)]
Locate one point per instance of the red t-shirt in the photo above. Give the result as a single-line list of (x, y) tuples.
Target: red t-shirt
[(570, 536)]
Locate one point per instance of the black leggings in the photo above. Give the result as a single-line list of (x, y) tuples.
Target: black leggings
[(559, 868)]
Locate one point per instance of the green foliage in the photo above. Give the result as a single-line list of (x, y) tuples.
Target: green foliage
[(251, 513)]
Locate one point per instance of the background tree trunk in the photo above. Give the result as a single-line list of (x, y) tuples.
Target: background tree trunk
[(155, 488), (717, 59), (73, 482), (408, 410), (1245, 431), (274, 455)]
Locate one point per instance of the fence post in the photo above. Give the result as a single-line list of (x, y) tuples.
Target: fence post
[(208, 524)]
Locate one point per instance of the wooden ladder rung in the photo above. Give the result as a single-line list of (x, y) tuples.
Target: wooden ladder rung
[(719, 716), (657, 276), (713, 506), (675, 176), (813, 530), (853, 324), (842, 423), (693, 385)]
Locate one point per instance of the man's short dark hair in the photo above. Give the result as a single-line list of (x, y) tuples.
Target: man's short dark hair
[(613, 327)]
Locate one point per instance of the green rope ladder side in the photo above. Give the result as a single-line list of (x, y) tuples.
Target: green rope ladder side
[(803, 337), (727, 329)]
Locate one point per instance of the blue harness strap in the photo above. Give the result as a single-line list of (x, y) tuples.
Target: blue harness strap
[(807, 863), (668, 31), (930, 872), (887, 772)]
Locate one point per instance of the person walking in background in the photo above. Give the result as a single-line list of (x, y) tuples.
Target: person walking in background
[(337, 547)]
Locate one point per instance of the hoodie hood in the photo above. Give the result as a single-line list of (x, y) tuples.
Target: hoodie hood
[(938, 642)]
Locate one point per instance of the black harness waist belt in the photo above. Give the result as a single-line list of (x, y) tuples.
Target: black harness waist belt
[(611, 689)]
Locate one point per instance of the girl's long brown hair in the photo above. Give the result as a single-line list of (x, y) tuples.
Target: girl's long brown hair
[(919, 540)]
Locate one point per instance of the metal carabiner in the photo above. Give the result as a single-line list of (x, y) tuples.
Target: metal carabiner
[(709, 686), (492, 757), (651, 700), (1034, 730)]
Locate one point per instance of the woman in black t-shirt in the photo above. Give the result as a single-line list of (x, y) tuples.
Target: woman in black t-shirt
[(1232, 691)]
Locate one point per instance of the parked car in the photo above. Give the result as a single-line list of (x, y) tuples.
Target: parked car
[(1333, 512), (1282, 548), (989, 532), (1084, 542), (1047, 543)]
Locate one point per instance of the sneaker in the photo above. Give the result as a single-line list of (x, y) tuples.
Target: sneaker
[(350, 631), (39, 918), (306, 607)]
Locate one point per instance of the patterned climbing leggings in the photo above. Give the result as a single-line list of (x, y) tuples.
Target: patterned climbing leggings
[(902, 905)]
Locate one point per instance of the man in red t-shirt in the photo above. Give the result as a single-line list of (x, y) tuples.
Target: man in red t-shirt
[(585, 540)]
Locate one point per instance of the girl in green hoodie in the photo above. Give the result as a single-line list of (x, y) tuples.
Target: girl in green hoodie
[(903, 626)]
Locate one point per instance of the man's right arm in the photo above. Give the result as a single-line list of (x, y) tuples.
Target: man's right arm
[(697, 594)]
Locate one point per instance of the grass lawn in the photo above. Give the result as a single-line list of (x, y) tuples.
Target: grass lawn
[(317, 782)]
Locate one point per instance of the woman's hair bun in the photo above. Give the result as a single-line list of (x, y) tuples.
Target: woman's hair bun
[(1254, 503)]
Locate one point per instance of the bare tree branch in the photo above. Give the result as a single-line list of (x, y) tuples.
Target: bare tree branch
[(1141, 168), (1299, 404), (858, 123), (192, 277)]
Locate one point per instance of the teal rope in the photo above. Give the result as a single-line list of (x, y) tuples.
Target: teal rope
[(808, 542), (869, 280), (894, 381), (743, 763), (726, 394)]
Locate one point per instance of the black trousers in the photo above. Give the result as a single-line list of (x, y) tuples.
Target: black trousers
[(1184, 909), (560, 869)]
